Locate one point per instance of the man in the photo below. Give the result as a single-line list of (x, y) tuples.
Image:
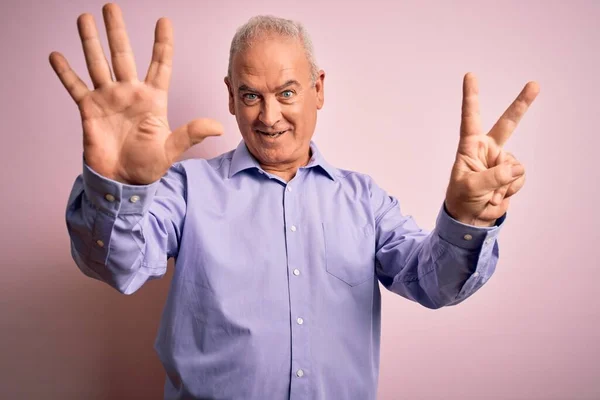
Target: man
[(278, 254)]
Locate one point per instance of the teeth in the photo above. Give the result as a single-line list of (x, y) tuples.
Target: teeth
[(272, 134)]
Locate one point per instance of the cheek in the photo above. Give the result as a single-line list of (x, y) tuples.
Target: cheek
[(294, 114), (302, 116), (245, 115)]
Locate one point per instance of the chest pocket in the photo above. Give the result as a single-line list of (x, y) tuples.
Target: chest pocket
[(349, 252)]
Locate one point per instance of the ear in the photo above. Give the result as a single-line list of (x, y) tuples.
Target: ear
[(230, 91), (320, 88)]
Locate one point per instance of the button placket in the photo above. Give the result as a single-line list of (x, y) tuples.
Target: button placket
[(297, 291)]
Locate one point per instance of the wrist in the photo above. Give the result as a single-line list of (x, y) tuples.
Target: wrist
[(467, 219)]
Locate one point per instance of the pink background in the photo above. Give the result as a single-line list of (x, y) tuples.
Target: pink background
[(393, 95)]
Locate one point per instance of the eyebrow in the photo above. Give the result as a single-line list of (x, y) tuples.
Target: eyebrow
[(291, 82)]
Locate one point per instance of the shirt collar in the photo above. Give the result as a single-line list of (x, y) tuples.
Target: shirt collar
[(243, 160)]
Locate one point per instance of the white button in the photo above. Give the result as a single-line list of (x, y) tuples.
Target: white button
[(134, 199), (476, 273), (100, 243), (109, 197), (293, 228), (299, 373), (300, 321), (467, 237), (488, 241), (289, 188), (296, 272)]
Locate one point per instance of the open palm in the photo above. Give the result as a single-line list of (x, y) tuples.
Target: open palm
[(125, 129), (484, 176)]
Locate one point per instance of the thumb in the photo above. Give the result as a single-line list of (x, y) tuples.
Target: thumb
[(500, 175), (190, 134)]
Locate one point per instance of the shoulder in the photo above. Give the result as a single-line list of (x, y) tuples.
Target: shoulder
[(362, 185), (347, 175), (215, 164), (353, 179)]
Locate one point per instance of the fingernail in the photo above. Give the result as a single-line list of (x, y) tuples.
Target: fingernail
[(517, 170)]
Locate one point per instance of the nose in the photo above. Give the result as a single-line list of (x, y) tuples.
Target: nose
[(270, 112)]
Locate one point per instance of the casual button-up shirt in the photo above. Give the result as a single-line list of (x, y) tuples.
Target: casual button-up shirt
[(275, 293)]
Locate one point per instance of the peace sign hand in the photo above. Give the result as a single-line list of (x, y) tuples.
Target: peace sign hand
[(484, 176)]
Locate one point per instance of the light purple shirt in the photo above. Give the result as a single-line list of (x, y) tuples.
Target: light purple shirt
[(275, 293)]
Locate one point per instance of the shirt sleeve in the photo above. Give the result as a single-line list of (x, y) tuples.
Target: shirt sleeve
[(124, 234), (438, 268)]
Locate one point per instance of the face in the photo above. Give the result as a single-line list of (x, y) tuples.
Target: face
[(274, 101)]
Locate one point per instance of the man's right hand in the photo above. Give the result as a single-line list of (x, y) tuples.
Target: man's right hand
[(126, 136)]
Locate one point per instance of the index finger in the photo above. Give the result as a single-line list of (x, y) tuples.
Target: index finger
[(506, 124), (159, 72), (470, 123)]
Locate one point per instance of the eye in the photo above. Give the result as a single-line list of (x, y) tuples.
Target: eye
[(287, 94), (250, 96)]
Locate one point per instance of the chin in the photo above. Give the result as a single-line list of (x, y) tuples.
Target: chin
[(278, 155)]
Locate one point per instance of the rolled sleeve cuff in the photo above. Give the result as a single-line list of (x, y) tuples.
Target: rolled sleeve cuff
[(466, 236), (114, 197)]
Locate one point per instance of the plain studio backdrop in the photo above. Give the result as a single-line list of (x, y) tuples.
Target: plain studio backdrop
[(394, 72)]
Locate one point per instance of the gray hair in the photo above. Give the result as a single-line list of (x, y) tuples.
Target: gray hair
[(260, 25)]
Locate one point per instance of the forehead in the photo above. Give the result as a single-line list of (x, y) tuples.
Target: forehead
[(270, 61)]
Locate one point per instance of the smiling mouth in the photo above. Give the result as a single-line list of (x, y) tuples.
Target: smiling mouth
[(271, 134)]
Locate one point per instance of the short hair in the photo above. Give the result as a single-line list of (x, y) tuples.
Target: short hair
[(262, 25)]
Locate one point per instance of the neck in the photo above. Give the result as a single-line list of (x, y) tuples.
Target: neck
[(287, 172)]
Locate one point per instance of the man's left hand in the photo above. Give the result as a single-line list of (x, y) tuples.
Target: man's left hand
[(484, 176)]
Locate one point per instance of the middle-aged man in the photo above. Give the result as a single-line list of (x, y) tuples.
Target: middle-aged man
[(278, 254)]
